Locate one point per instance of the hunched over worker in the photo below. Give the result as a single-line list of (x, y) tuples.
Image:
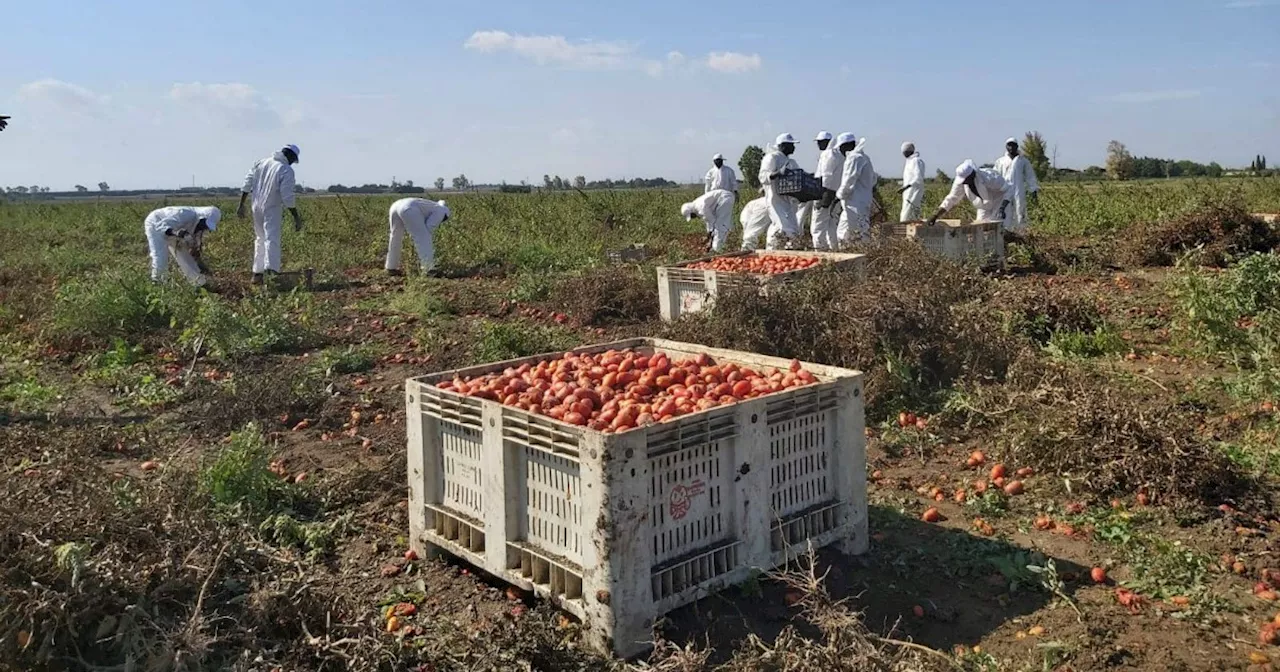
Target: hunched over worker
[(175, 232), (420, 217)]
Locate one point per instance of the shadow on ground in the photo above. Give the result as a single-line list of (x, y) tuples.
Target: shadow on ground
[(967, 585)]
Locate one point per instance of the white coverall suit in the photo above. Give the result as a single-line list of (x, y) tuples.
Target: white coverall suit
[(182, 221), (913, 180), (716, 207), (1017, 171), (782, 209), (830, 171), (992, 191), (856, 194), (755, 222), (270, 184), (720, 178), (419, 217)]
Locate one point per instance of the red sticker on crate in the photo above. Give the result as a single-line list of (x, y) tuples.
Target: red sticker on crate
[(682, 498)]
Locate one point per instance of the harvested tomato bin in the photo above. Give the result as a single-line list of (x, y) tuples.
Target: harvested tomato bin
[(620, 521), (692, 286)]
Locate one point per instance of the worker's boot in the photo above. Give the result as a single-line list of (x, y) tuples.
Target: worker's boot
[(395, 272), (257, 279)]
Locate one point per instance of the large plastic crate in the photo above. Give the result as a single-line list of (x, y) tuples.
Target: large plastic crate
[(684, 290), (974, 241), (802, 186), (619, 529)]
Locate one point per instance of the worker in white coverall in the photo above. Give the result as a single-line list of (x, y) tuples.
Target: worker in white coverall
[(826, 212), (270, 184), (783, 227), (420, 217), (856, 192), (984, 187), (720, 176), (176, 232), (755, 222), (1017, 171), (716, 207), (804, 211), (912, 184)]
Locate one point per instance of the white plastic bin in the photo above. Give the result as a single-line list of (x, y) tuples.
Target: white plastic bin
[(619, 529), (684, 290), (975, 241)]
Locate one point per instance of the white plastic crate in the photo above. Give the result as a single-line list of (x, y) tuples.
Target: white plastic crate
[(619, 529), (684, 290), (980, 241)]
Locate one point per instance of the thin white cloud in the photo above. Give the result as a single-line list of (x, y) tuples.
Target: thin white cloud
[(1249, 4), (733, 62), (675, 58), (556, 50), (1151, 96), (236, 104), (61, 94)]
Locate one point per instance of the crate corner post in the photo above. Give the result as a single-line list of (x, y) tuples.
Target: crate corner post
[(850, 470), (419, 463), (616, 562)]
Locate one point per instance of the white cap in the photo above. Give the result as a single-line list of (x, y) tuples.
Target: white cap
[(441, 203), (1011, 141), (785, 137), (909, 145), (845, 138), (823, 135), (686, 211), (210, 215), (965, 169), (718, 157), (296, 154)]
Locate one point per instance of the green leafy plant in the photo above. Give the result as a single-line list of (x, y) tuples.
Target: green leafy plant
[(239, 483)]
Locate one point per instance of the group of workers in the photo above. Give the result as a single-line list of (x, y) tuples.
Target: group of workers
[(178, 232), (848, 180), (839, 216)]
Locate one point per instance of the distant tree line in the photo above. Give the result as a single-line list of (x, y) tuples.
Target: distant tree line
[(1121, 165)]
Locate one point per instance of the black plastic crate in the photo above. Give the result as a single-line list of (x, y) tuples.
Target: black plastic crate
[(799, 185)]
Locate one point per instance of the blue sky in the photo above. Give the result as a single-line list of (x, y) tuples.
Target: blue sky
[(149, 93)]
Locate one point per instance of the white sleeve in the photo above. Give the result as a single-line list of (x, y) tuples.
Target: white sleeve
[(766, 168), (286, 187), (1033, 185), (706, 180), (955, 196), (917, 173), (249, 179), (846, 180), (732, 183)]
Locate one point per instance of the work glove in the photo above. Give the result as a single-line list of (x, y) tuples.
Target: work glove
[(1003, 213), (1035, 198), (240, 211), (297, 223)]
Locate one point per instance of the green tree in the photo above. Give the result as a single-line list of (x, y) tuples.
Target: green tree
[(1119, 161), (461, 182), (579, 182), (1036, 151), (81, 188), (749, 164), (439, 184)]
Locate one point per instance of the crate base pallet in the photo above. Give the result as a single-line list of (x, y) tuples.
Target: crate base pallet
[(619, 529), (975, 241), (685, 290)]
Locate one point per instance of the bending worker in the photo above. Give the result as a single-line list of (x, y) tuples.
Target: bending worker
[(782, 209), (177, 232), (912, 183), (270, 182), (1017, 171), (716, 207), (720, 176), (755, 222), (857, 190), (420, 217), (984, 187)]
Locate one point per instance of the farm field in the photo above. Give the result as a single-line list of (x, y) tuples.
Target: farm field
[(217, 481)]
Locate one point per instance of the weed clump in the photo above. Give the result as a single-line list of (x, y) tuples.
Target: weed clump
[(119, 305), (1212, 235), (1116, 436), (604, 297), (913, 323)]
